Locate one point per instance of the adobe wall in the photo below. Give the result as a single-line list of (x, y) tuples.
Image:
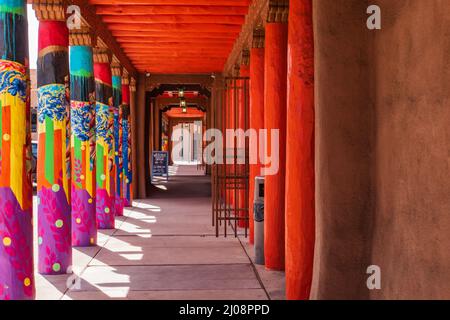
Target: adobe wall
[(383, 115)]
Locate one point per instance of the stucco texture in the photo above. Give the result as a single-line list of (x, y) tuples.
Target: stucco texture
[(382, 149)]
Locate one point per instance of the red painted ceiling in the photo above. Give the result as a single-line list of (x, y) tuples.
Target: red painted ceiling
[(175, 36)]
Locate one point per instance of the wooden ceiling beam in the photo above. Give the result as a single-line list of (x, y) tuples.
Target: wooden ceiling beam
[(166, 70), (170, 60), (168, 57), (167, 9), (181, 47), (235, 3), (181, 28), (137, 19), (177, 53), (178, 69), (164, 56), (180, 40), (164, 50), (168, 35), (180, 63)]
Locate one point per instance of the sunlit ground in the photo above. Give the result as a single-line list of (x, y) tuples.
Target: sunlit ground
[(164, 248)]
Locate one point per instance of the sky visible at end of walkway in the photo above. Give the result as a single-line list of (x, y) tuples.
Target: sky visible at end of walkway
[(33, 27)]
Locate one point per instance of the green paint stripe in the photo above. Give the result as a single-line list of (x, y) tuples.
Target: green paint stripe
[(81, 73), (77, 147), (49, 151), (78, 155), (13, 6), (100, 169), (13, 10)]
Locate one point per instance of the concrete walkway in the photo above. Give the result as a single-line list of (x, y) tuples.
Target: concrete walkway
[(165, 248)]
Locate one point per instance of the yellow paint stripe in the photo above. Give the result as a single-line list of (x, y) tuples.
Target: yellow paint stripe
[(18, 141), (51, 49), (41, 127), (107, 172)]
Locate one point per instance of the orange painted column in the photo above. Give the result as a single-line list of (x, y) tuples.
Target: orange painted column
[(256, 111), (300, 181), (231, 116), (227, 126), (275, 119), (243, 92)]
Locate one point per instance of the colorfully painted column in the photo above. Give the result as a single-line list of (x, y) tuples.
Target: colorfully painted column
[(118, 157), (16, 230), (133, 137), (105, 152), (126, 143), (300, 180), (256, 110), (275, 119), (53, 167), (82, 116)]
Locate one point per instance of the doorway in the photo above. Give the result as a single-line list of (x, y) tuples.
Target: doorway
[(187, 142)]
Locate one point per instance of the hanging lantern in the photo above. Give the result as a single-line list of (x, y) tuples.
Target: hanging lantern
[(183, 103)]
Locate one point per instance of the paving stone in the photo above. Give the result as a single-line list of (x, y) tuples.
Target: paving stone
[(243, 294), (184, 277)]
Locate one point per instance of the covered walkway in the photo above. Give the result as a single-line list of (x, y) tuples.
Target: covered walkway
[(345, 104), (165, 248)]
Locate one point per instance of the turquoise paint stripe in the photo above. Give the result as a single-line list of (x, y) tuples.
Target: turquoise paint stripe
[(12, 6), (81, 61), (117, 82)]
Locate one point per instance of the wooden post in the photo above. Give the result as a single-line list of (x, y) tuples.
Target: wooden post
[(82, 118), (118, 158), (133, 122), (242, 109), (256, 110), (53, 168), (16, 230), (300, 182), (275, 119), (105, 207), (126, 142)]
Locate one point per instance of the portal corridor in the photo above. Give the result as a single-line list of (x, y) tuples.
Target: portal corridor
[(224, 149), (163, 248)]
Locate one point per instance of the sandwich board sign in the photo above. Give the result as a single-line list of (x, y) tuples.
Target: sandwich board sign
[(160, 164)]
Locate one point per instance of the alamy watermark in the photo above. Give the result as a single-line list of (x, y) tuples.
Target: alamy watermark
[(74, 19), (374, 20), (374, 280), (230, 147)]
